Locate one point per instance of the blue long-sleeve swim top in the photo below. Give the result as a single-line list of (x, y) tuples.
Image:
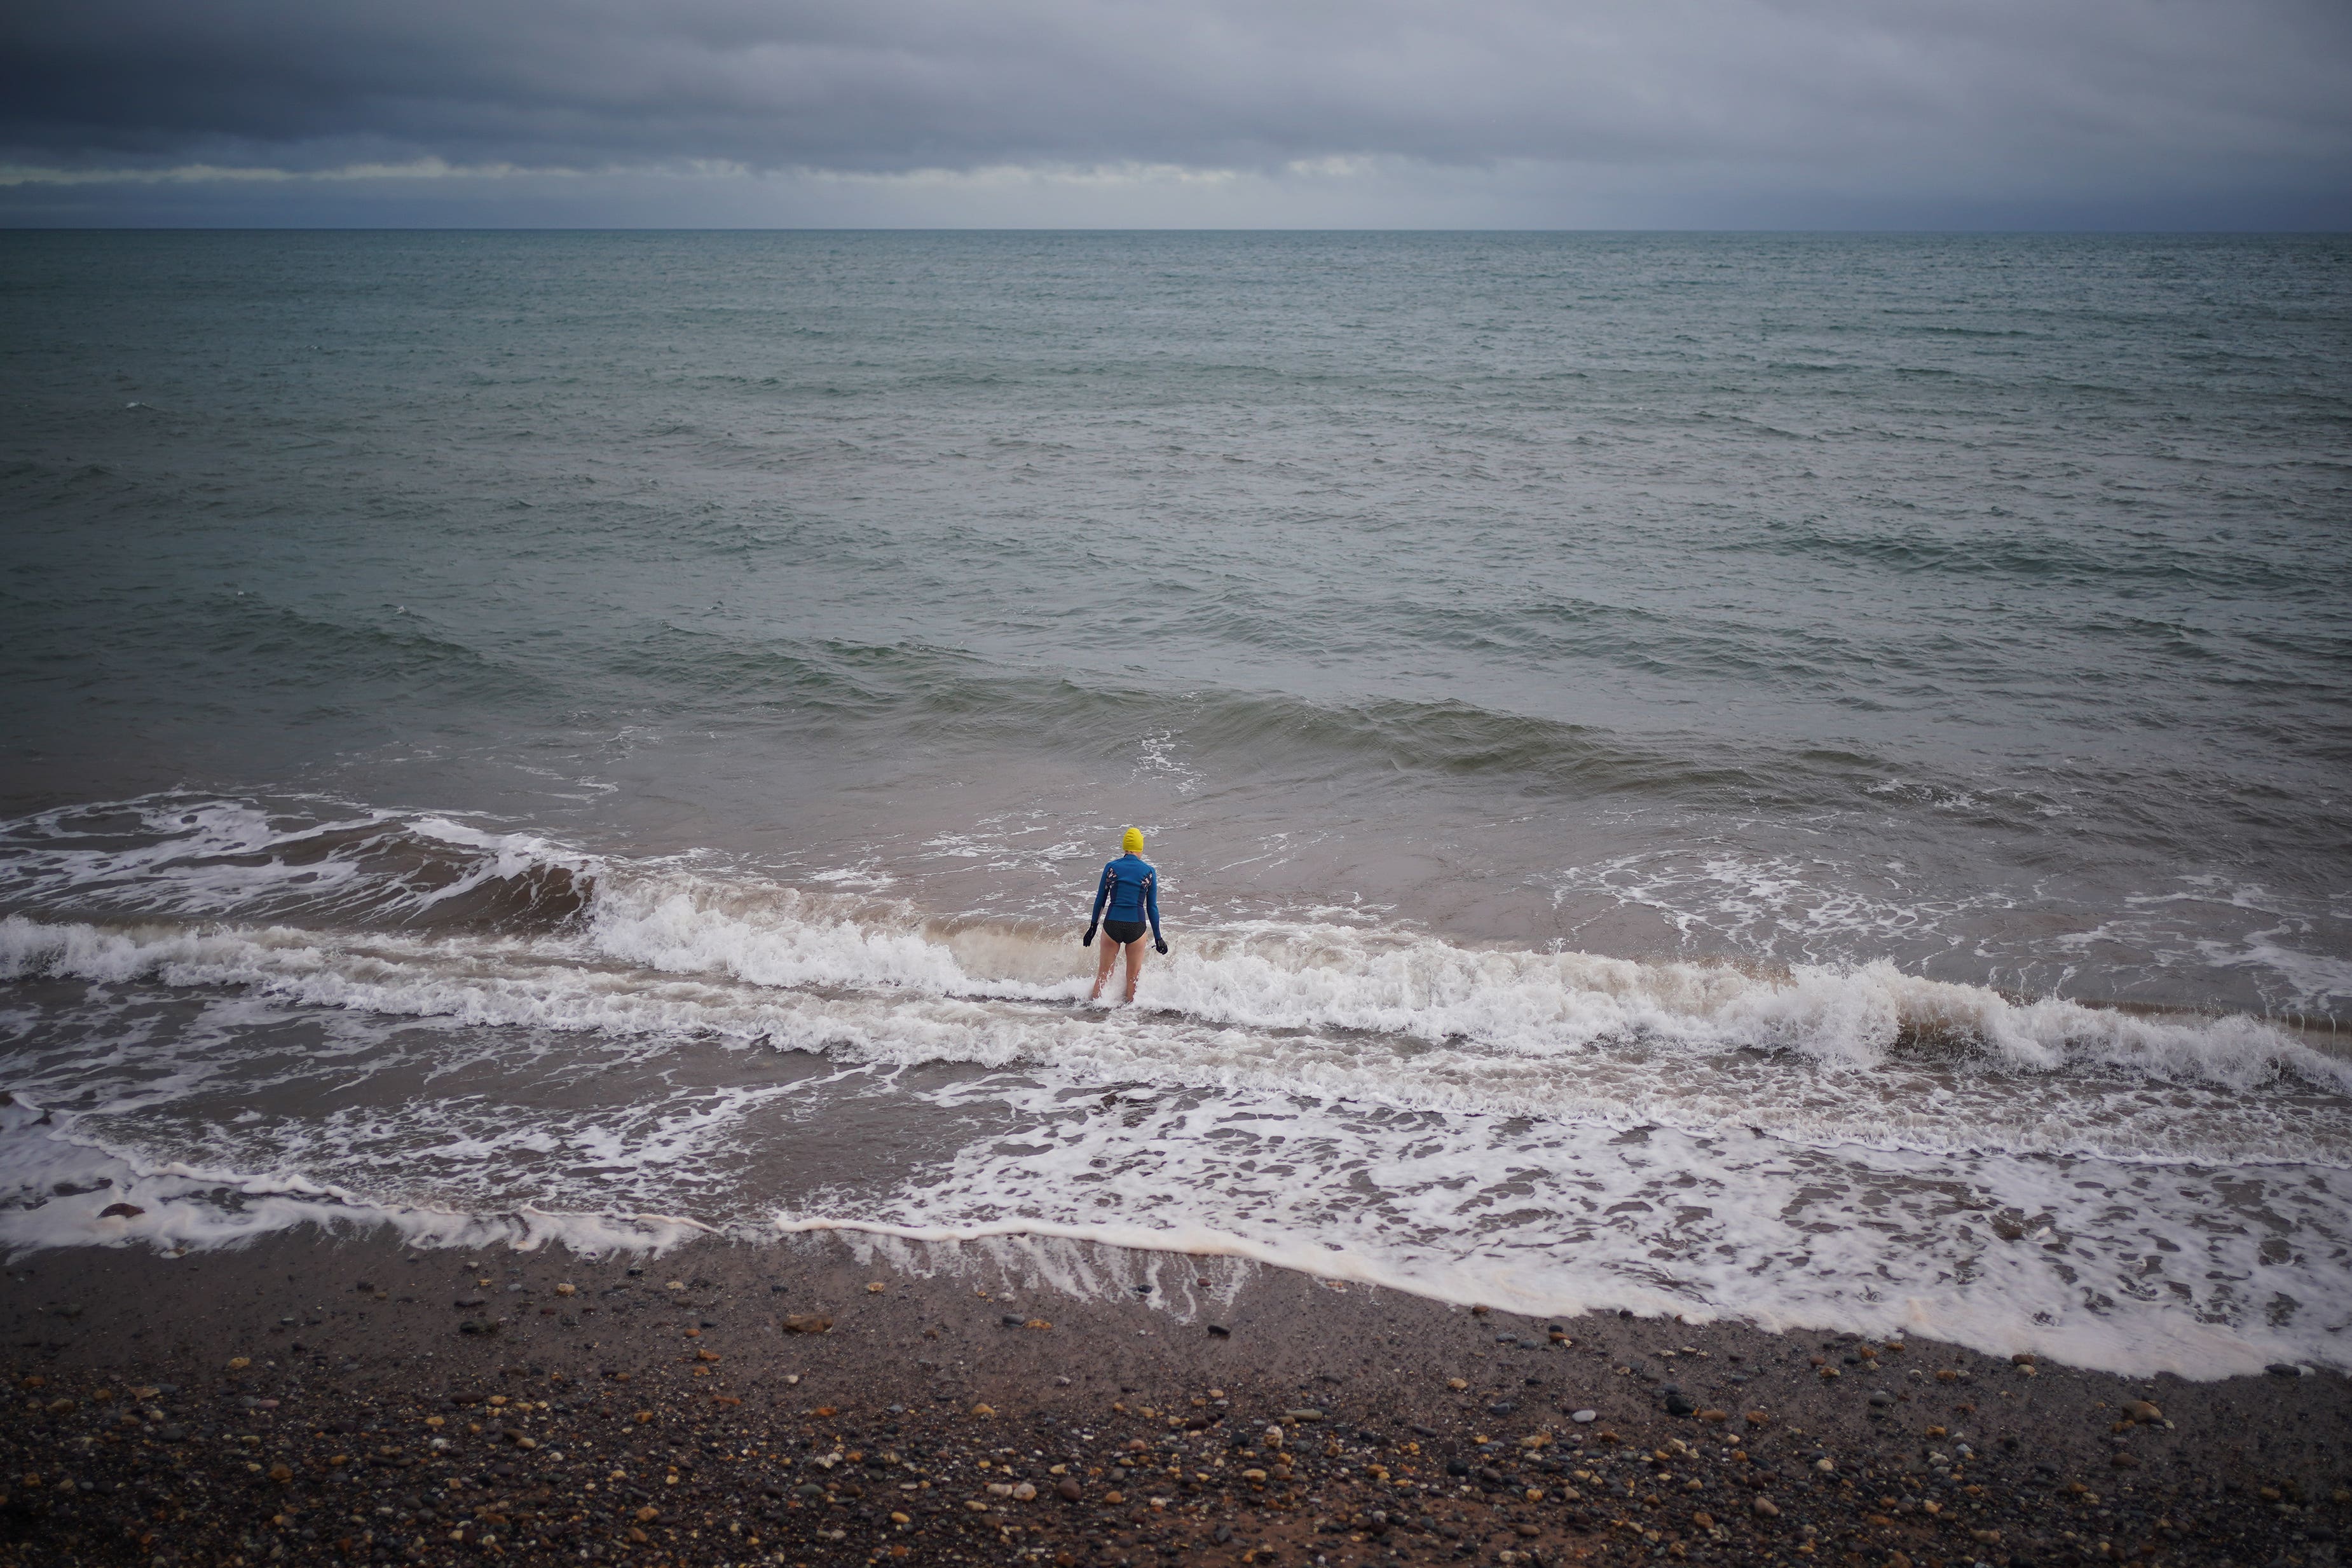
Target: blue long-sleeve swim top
[(1130, 887)]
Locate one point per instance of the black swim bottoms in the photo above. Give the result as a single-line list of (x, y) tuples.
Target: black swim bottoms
[(1125, 931)]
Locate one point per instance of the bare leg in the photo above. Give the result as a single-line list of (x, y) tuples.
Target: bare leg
[(1104, 960), (1134, 966)]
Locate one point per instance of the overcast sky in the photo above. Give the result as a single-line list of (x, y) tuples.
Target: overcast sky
[(1313, 114)]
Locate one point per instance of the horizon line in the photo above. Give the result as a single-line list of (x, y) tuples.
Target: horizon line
[(7, 227)]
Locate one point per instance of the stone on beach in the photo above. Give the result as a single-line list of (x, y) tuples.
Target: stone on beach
[(743, 1478)]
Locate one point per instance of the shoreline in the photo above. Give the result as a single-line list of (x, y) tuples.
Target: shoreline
[(282, 1402)]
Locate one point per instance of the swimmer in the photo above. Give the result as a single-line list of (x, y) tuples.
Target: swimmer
[(1130, 889)]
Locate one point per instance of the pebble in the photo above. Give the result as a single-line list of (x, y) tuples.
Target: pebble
[(2283, 1369), (807, 1323), (822, 1512), (1678, 1405)]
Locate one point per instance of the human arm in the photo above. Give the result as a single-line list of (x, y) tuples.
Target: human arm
[(1102, 892), (1151, 902)]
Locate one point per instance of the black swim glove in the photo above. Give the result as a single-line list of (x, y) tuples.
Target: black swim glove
[(1088, 939), (1161, 942)]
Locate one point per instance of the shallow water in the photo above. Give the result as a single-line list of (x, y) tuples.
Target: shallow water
[(1663, 753)]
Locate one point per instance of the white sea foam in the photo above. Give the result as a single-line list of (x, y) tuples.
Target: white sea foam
[(1816, 1145), (1499, 1003), (2272, 938), (1396, 1021), (55, 1190), (1557, 1221)]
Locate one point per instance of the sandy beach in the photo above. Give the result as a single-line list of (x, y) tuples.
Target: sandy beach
[(311, 1398)]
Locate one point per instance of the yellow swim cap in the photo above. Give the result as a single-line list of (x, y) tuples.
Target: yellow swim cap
[(1133, 843)]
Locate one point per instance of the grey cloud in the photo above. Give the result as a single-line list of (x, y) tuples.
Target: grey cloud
[(1961, 99)]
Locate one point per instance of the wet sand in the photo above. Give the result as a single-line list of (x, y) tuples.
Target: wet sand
[(317, 1399)]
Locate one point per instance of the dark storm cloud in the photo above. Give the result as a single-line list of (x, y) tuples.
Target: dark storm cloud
[(1956, 99)]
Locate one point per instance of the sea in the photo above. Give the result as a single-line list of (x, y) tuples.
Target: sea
[(1805, 779)]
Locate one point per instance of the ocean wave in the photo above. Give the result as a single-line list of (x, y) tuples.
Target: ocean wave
[(306, 647), (304, 860), (941, 696), (1514, 1003), (1850, 1147), (2028, 556), (97, 886), (1822, 1053)]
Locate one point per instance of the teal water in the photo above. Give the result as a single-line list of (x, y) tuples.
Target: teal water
[(1799, 623)]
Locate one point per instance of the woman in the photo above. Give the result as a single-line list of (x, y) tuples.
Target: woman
[(1130, 890)]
